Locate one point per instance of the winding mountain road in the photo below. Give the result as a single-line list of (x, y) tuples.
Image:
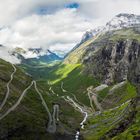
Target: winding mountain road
[(8, 89), (50, 89), (119, 85), (52, 127), (111, 91), (52, 121), (62, 84), (93, 97), (17, 103), (91, 103), (44, 104), (52, 118)]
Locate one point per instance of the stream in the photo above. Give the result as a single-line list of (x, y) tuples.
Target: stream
[(77, 106)]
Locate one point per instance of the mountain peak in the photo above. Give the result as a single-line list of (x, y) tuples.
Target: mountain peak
[(123, 20)]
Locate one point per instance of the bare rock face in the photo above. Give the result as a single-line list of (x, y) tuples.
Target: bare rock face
[(116, 62)]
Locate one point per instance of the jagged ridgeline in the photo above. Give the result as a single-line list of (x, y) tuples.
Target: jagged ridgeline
[(93, 94)]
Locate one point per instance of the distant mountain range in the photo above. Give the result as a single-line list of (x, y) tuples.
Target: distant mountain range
[(34, 56)]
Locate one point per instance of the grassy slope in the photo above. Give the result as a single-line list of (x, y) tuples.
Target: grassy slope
[(129, 33), (76, 55), (74, 81), (29, 119), (21, 117), (133, 132), (101, 124), (19, 83), (122, 94)]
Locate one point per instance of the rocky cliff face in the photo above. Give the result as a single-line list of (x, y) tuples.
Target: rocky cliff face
[(112, 56), (115, 61)]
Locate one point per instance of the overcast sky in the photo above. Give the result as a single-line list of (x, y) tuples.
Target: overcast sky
[(56, 24)]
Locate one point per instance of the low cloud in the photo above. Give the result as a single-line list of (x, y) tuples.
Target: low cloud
[(64, 27), (4, 54), (58, 28)]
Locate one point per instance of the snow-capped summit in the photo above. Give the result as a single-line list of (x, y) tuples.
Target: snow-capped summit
[(123, 20), (120, 21), (34, 55), (29, 53), (18, 55)]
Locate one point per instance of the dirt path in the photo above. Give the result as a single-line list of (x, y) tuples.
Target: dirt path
[(93, 97), (52, 121)]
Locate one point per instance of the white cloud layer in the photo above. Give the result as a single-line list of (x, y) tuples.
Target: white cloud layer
[(63, 27), (4, 54), (60, 28)]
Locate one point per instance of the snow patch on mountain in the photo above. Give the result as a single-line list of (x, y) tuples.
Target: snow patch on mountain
[(30, 53)]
